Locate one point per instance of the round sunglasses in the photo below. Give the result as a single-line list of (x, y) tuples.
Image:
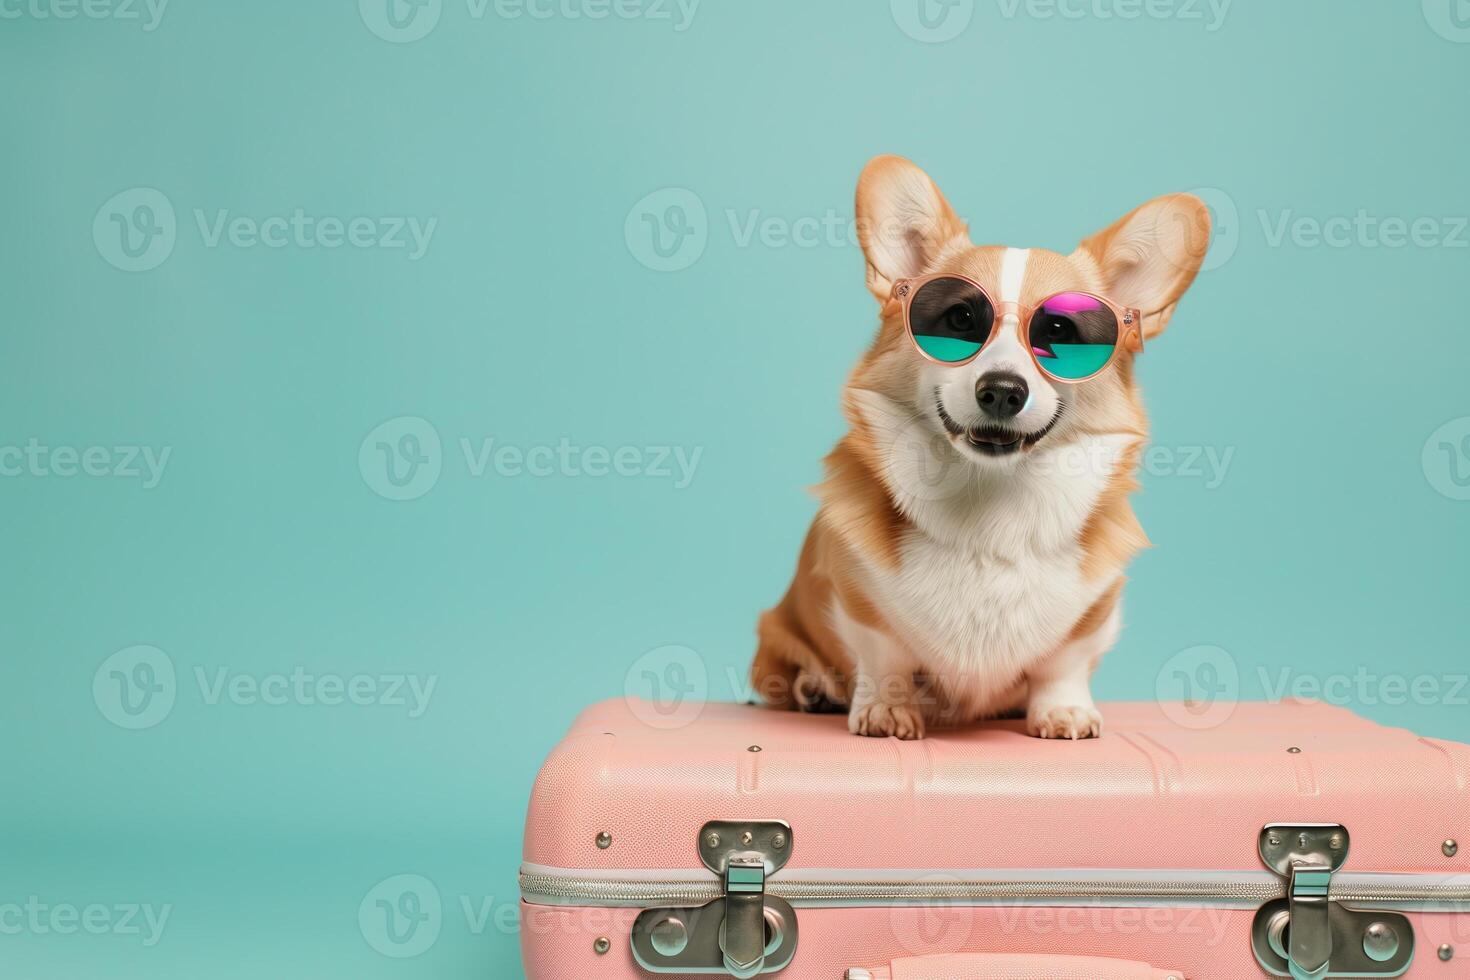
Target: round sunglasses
[(1072, 336)]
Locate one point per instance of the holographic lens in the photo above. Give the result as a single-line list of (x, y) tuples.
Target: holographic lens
[(1073, 335)]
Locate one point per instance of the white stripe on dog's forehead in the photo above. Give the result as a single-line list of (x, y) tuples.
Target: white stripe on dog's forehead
[(1006, 352), (1012, 274)]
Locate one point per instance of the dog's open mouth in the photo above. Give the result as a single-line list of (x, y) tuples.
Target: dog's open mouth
[(992, 440)]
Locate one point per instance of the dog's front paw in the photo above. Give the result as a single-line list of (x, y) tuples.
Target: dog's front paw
[(880, 720), (1063, 721)]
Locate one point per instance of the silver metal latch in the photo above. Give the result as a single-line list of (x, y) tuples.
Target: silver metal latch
[(1308, 936), (745, 933)]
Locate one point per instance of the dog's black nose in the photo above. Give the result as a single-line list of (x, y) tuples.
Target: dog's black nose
[(1002, 395)]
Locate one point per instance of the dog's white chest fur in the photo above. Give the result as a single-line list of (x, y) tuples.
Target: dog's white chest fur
[(991, 581), (981, 613)]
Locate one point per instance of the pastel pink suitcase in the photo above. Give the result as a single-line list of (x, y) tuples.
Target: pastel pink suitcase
[(1255, 840)]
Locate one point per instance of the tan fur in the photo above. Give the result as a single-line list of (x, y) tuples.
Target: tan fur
[(800, 662), (1093, 619)]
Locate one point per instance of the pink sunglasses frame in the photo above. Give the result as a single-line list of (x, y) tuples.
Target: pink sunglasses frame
[(1130, 323)]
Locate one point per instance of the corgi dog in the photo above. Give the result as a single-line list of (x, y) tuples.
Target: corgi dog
[(968, 555)]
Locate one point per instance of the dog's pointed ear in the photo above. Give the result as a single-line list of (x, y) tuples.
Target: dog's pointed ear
[(903, 222), (1149, 257)]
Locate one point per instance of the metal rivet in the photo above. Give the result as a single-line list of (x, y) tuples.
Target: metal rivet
[(1274, 840), (1294, 750), (1447, 952), (712, 840), (669, 936), (1336, 842), (779, 841), (755, 748), (1276, 933), (602, 945), (1380, 942), (604, 840), (1450, 847), (747, 838)]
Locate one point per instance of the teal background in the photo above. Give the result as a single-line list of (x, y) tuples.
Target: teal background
[(534, 316)]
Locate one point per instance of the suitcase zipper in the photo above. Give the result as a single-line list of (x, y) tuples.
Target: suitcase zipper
[(1408, 892)]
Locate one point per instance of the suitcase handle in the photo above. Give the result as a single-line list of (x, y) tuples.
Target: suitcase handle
[(1019, 966)]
